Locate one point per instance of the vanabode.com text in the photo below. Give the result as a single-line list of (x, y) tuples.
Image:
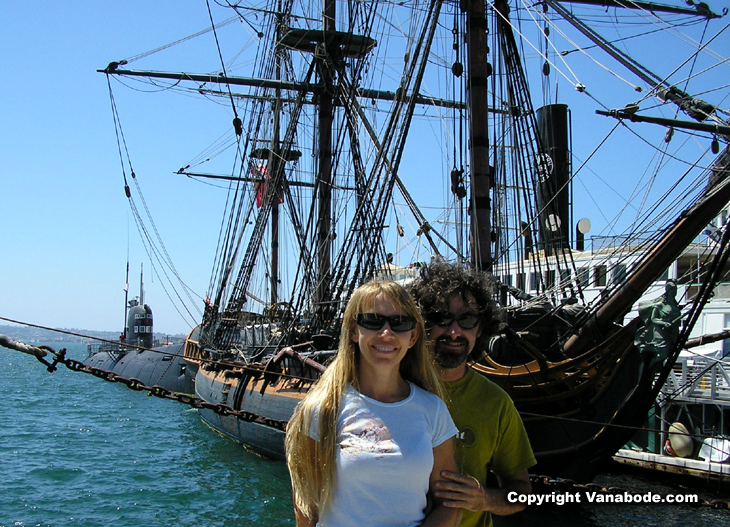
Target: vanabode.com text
[(597, 497)]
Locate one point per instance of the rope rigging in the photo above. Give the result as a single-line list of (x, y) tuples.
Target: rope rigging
[(237, 125), (154, 246)]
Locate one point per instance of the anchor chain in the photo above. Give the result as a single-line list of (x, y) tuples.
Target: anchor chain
[(59, 357), (570, 486)]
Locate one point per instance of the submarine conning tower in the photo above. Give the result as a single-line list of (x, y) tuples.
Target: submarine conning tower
[(139, 325)]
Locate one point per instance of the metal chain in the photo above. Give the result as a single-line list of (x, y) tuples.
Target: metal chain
[(570, 486), (137, 385)]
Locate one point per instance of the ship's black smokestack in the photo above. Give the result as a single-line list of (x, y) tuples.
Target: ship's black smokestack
[(553, 171)]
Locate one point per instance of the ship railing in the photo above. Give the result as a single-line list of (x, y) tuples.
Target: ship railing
[(643, 241), (632, 242), (114, 348), (297, 369), (121, 348)]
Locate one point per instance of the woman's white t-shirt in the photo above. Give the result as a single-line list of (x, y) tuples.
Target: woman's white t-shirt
[(384, 458)]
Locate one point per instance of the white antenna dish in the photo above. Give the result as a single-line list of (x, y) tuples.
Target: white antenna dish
[(584, 226)]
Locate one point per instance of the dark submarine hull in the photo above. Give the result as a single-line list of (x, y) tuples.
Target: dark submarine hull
[(162, 366)]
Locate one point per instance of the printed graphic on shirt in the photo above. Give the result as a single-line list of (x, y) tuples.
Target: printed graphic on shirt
[(467, 436), (365, 433)]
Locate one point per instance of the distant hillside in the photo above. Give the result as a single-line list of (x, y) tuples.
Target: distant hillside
[(30, 335)]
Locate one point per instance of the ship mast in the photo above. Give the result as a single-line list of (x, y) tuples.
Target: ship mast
[(126, 300), (481, 172), (324, 175), (273, 164), (141, 285)]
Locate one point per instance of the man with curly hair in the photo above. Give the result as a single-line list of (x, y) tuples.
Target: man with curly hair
[(457, 304)]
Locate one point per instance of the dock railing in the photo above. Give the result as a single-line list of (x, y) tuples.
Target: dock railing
[(698, 380)]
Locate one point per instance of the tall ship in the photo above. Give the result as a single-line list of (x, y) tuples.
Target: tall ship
[(575, 151)]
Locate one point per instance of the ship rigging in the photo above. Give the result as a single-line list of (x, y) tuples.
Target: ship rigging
[(335, 153)]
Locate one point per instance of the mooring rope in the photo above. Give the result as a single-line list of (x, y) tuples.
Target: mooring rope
[(9, 343)]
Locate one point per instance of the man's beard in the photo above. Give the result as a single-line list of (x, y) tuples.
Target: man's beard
[(449, 358)]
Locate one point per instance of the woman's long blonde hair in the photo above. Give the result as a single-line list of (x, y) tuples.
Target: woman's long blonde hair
[(312, 463)]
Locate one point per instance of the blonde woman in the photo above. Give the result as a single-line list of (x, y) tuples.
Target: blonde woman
[(368, 442)]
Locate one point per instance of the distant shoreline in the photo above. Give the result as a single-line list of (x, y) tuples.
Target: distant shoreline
[(30, 335)]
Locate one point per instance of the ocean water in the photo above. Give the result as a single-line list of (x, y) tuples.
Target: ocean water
[(76, 450)]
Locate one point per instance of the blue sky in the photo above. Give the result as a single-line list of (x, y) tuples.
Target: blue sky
[(65, 220), (66, 226)]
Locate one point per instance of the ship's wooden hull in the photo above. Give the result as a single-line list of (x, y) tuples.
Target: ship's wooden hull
[(577, 413), (245, 393)]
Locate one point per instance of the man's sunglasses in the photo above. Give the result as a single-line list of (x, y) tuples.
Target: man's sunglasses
[(375, 321), (444, 320)]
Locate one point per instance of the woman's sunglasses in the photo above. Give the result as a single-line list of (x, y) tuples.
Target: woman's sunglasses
[(375, 321), (444, 320)]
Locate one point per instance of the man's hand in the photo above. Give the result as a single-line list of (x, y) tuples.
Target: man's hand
[(466, 492), (460, 491)]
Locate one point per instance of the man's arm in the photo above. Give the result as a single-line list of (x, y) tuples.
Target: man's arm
[(465, 492)]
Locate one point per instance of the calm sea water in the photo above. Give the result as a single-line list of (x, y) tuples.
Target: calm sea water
[(75, 450)]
